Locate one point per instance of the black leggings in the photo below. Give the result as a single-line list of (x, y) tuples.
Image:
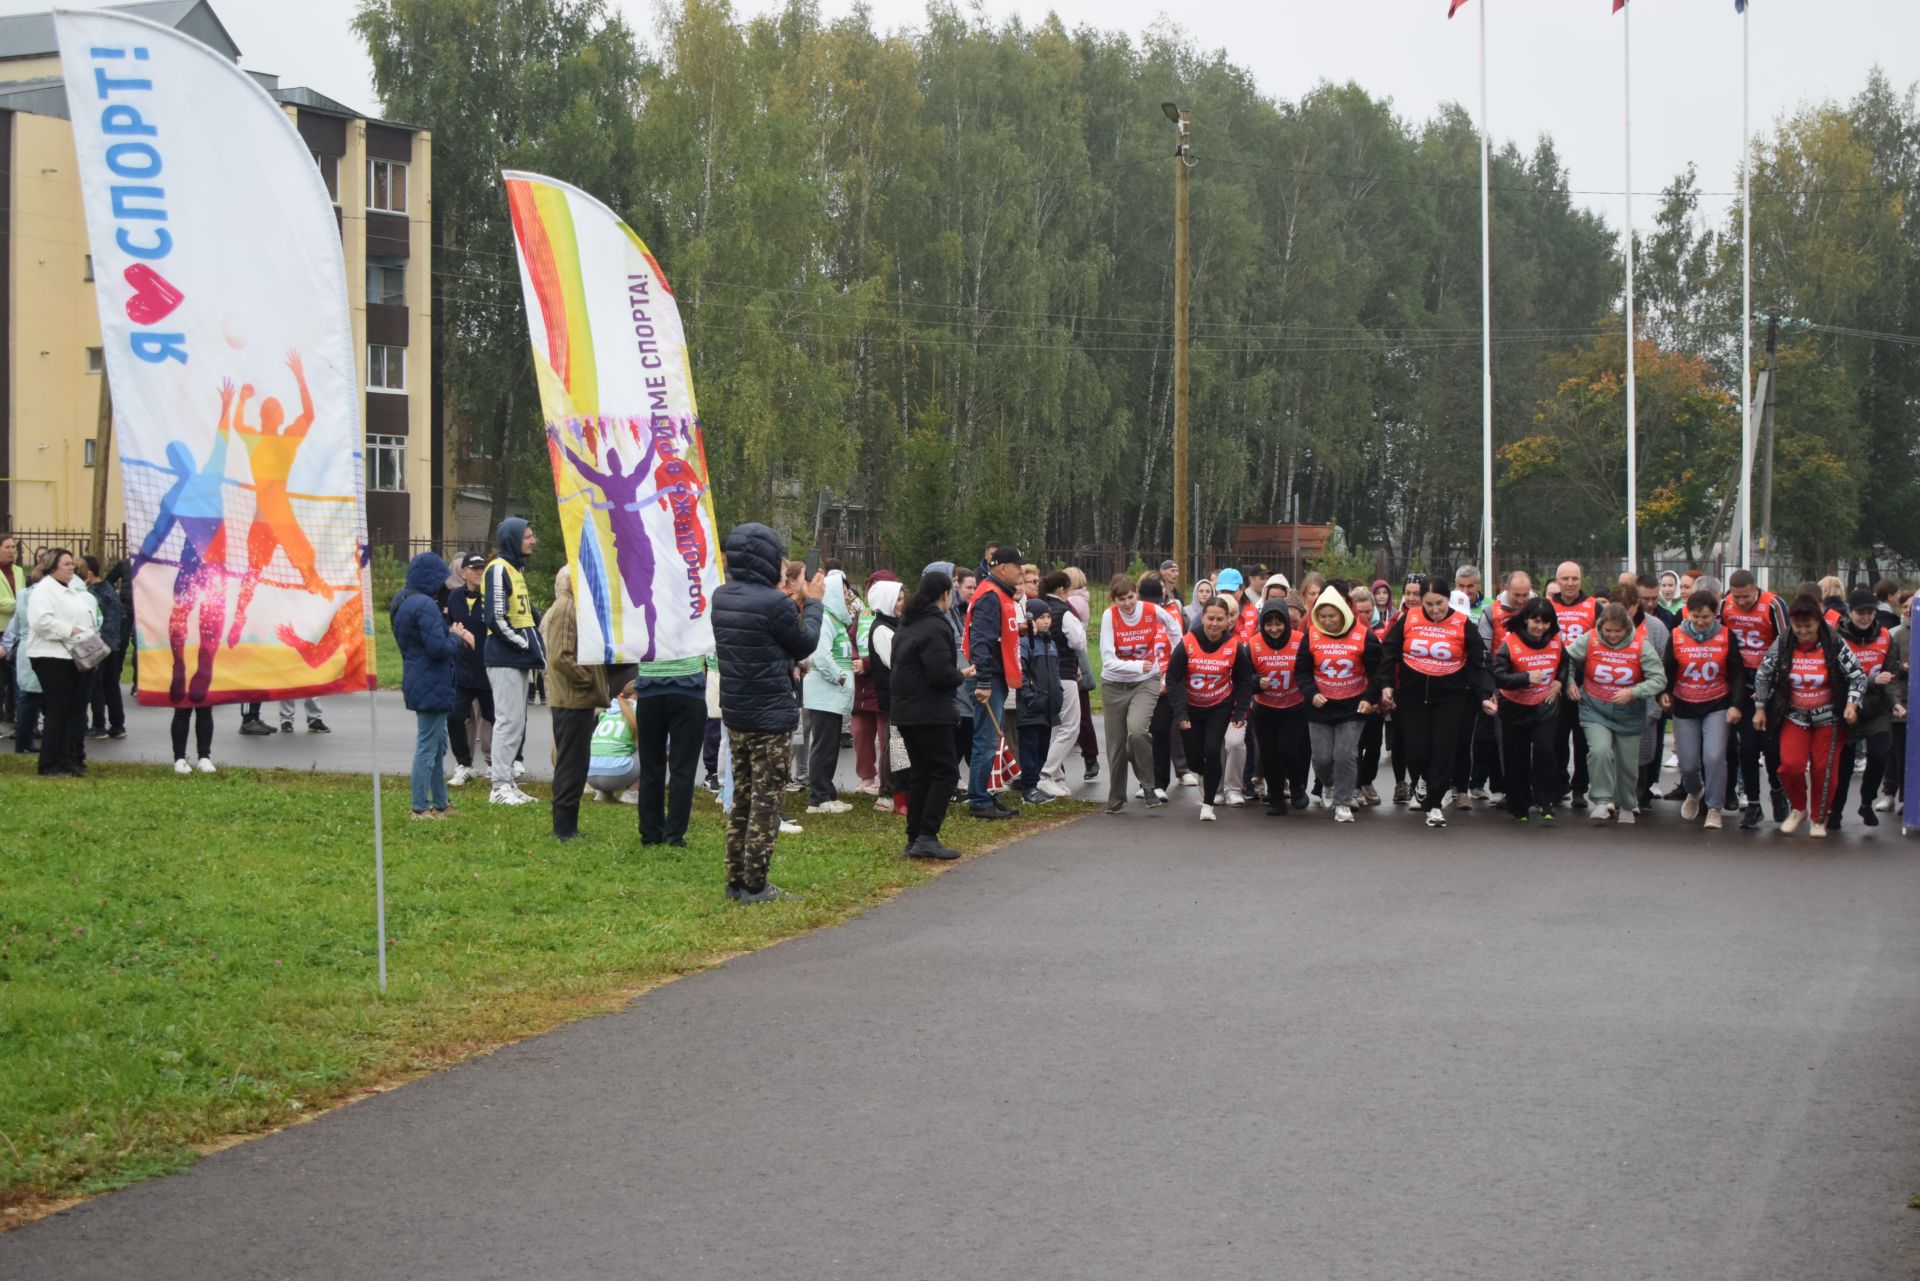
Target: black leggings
[(1532, 763), (1162, 731), (1373, 734), (1878, 747), (936, 771), (1284, 756), (1206, 740), (1754, 744), (1431, 733), (202, 718)]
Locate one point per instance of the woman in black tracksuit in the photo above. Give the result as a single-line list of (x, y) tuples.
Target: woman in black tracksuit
[(1209, 683), (1433, 669), (1278, 656), (1530, 670)]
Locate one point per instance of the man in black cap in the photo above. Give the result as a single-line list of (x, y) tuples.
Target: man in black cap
[(471, 693), (993, 649)]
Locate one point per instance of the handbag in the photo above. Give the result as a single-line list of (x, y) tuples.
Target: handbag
[(88, 652)]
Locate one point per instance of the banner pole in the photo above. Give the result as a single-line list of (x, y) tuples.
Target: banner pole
[(1746, 297), (1486, 323), (1626, 64), (379, 831)]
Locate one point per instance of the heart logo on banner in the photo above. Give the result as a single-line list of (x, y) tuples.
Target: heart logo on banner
[(154, 297)]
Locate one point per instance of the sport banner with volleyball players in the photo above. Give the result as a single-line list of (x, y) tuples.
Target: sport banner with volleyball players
[(229, 351), (629, 467)]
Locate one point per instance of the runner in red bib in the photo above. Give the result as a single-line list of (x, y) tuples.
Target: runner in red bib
[(1338, 683), (1756, 620), (1529, 667), (1885, 669), (1209, 682), (1810, 684), (1433, 669), (1706, 687), (1279, 657)]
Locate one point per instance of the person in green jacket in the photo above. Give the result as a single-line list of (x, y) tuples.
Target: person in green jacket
[(1615, 669)]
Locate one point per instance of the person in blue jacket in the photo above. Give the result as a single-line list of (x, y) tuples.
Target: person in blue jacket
[(427, 647)]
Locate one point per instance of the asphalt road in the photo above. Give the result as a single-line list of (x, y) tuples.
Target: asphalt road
[(1140, 1047)]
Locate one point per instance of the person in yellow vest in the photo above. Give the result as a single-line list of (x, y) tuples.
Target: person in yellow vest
[(513, 653)]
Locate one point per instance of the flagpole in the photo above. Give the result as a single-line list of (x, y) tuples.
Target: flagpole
[(1746, 295), (1486, 324), (1626, 63)]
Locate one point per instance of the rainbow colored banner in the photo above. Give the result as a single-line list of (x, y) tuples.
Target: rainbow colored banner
[(623, 433)]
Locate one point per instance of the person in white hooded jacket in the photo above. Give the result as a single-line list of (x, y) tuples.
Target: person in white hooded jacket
[(827, 696), (61, 613), (1134, 649)]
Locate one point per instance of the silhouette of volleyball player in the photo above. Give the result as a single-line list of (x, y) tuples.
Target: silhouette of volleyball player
[(270, 452), (195, 504)]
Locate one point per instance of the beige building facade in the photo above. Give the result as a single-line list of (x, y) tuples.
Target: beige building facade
[(380, 175)]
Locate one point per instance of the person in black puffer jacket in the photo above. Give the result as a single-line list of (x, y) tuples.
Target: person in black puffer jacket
[(925, 674), (759, 633)]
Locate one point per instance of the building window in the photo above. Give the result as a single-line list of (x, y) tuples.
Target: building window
[(329, 167), (387, 283), (89, 451), (386, 186), (386, 368), (387, 463), (96, 360), (89, 275)]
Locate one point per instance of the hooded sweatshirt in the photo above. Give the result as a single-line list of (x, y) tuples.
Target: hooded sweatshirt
[(1341, 662), (828, 686), (427, 648), (513, 634), (1277, 665), (957, 624), (1515, 660), (1589, 653), (759, 634)]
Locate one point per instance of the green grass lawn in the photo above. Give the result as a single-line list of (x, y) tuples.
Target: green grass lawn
[(187, 960)]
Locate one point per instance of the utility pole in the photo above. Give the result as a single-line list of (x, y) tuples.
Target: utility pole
[(102, 460), (1182, 167), (1766, 464)]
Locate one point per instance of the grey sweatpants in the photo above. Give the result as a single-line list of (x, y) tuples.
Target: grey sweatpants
[(1336, 756), (509, 686), (1701, 744), (1129, 715)]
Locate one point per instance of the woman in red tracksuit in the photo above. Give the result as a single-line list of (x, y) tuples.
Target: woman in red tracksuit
[(1808, 684)]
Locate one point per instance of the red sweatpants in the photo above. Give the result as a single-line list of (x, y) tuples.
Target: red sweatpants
[(870, 747), (1807, 761)]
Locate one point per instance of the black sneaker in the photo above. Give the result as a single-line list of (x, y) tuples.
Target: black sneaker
[(768, 893), (733, 890), (314, 726), (286, 727), (929, 847), (987, 811), (1093, 770), (1579, 800), (1867, 816), (118, 731), (1300, 800), (713, 784), (255, 728), (1833, 818), (1679, 793), (1278, 809), (1003, 807), (1036, 797), (1780, 806), (1750, 816)]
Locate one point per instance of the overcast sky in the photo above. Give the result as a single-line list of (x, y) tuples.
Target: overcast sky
[(1554, 66)]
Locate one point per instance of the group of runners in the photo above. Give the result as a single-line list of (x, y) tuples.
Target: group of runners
[(1543, 702)]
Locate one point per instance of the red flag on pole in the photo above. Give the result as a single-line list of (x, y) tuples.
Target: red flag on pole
[(1618, 5), (1454, 7)]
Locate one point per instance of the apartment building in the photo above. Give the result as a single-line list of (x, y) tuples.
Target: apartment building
[(379, 174)]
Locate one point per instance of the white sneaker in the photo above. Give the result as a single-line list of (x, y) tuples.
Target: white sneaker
[(883, 805), (830, 807), (1053, 787), (1343, 814), (508, 796), (1481, 794), (181, 767), (1235, 798), (630, 797), (1601, 813), (519, 769), (790, 828), (1884, 804), (868, 787), (1436, 817), (1673, 761), (1794, 819), (1206, 813), (1817, 829), (1189, 779), (459, 776), (1712, 822), (205, 766), (1625, 815), (1690, 808), (595, 794), (1415, 799)]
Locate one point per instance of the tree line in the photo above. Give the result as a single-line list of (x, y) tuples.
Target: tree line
[(929, 273)]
